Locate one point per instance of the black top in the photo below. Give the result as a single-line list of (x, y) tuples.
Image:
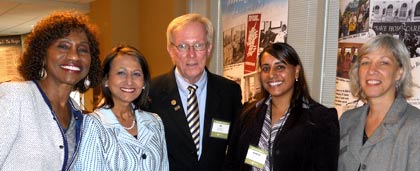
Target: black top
[(365, 137)]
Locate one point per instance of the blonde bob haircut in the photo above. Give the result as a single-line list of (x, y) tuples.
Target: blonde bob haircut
[(183, 20), (399, 52)]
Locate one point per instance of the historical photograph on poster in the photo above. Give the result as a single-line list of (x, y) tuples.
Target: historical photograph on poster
[(347, 54), (270, 34), (353, 18), (249, 26), (353, 32), (234, 45), (400, 19)]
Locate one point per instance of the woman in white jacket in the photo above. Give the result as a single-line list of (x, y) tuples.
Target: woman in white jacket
[(40, 123)]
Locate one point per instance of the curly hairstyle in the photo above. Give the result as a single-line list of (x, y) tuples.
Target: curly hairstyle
[(140, 102), (58, 25), (399, 52)]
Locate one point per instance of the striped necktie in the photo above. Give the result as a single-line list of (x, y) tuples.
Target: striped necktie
[(193, 115)]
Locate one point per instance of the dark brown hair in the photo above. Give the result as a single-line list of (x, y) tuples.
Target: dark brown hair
[(55, 26), (285, 53), (141, 101)]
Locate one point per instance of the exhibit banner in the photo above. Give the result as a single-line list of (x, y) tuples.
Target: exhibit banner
[(361, 20), (249, 26), (251, 45)]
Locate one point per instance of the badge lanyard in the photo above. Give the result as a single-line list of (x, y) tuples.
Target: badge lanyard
[(278, 132)]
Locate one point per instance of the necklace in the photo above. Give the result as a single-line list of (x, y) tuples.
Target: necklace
[(131, 127)]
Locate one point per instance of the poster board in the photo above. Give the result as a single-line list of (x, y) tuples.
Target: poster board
[(401, 19), (249, 26), (10, 52)]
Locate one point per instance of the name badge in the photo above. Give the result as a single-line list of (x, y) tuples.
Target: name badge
[(256, 157), (219, 129)]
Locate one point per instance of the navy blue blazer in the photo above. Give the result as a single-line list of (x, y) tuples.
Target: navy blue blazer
[(223, 103)]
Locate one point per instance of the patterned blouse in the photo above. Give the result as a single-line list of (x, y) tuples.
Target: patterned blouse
[(106, 145), (268, 134)]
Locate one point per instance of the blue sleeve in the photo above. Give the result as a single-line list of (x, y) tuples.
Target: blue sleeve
[(165, 162), (91, 153)]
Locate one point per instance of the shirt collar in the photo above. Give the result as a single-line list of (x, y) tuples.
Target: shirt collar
[(305, 104), (183, 85)]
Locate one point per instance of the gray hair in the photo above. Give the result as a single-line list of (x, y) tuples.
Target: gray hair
[(181, 21), (399, 52)]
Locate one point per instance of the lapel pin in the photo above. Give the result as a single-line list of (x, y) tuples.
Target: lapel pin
[(173, 102), (177, 107)]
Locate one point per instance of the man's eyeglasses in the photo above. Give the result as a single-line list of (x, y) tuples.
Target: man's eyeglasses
[(186, 47)]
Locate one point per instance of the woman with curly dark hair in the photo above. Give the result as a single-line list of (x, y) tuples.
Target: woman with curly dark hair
[(40, 123)]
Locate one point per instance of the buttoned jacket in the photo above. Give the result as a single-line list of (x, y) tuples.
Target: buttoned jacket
[(31, 138), (394, 145)]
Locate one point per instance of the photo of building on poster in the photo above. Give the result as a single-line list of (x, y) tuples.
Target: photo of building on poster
[(249, 26), (363, 19)]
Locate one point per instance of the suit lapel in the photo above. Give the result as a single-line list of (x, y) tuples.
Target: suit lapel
[(389, 125), (356, 136), (387, 129), (213, 100), (172, 101), (293, 119)]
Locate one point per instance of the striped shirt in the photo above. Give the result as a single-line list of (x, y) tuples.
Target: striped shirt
[(268, 134)]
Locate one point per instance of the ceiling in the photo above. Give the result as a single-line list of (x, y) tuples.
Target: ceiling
[(19, 16)]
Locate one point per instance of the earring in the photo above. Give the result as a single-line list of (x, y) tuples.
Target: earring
[(87, 82), (143, 87), (296, 79), (43, 73)]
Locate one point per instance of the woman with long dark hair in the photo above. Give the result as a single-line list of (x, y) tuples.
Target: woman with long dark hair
[(286, 129)]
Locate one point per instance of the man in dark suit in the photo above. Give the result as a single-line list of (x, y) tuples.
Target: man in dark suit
[(199, 145)]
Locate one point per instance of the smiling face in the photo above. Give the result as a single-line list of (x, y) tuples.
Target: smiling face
[(68, 59), (125, 79), (277, 77), (190, 63), (378, 73)]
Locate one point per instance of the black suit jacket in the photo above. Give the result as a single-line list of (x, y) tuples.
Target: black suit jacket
[(308, 141), (223, 103)]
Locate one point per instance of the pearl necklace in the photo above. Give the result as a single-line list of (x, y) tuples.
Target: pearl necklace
[(131, 127)]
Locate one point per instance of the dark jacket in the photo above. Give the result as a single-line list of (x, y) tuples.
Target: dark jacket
[(223, 103), (309, 140)]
